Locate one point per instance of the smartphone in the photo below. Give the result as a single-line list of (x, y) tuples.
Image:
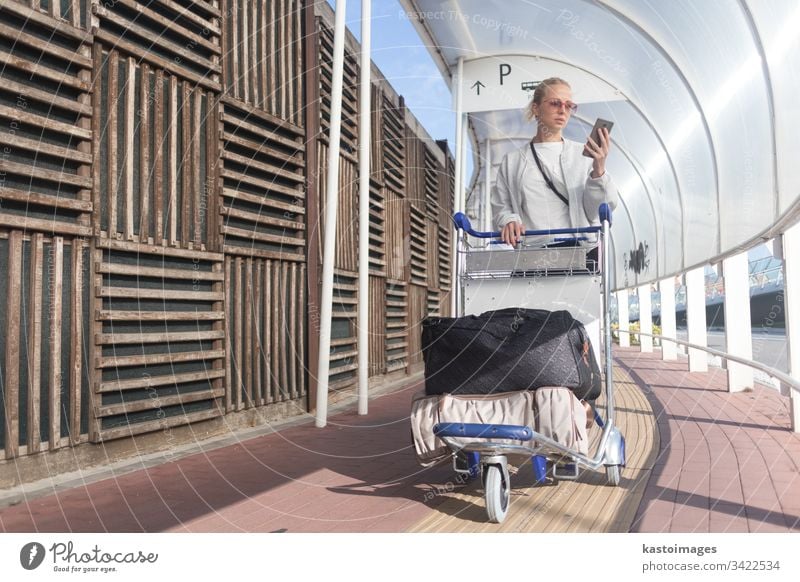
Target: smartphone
[(594, 135)]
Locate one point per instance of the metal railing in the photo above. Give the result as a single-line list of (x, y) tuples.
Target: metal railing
[(792, 383)]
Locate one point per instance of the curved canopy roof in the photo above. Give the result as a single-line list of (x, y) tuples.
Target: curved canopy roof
[(705, 97)]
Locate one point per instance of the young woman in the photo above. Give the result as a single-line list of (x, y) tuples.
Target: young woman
[(549, 183)]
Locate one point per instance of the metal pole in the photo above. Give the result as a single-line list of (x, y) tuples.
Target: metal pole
[(363, 209), (331, 206), (607, 324), (456, 194), (487, 194)]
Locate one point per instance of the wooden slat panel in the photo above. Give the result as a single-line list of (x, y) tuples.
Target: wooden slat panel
[(22, 9), (151, 404), (172, 207), (154, 359), (229, 287), (11, 388), (275, 355), (269, 336), (112, 185), (127, 182), (144, 164), (237, 330), (284, 357), (48, 113), (301, 337), (160, 34), (247, 364), (55, 379), (31, 68), (76, 344), (152, 381), (156, 425), (35, 343), (138, 293), (200, 371), (185, 164), (258, 337), (157, 272), (158, 161)]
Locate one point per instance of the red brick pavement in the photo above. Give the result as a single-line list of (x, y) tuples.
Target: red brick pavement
[(357, 474), (728, 462)]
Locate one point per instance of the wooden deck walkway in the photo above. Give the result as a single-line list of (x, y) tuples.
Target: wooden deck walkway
[(699, 460)]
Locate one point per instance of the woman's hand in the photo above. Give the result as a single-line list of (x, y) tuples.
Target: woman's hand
[(512, 232), (599, 152)]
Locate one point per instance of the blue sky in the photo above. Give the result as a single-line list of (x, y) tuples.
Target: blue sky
[(406, 63)]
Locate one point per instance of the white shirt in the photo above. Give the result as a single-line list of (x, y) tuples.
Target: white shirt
[(550, 211)]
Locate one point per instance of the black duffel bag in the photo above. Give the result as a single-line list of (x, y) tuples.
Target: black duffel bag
[(508, 350)]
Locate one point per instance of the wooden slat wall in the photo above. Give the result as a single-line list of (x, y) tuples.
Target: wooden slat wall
[(263, 194), (172, 136), (417, 311), (45, 116), (349, 139), (179, 38), (432, 253), (415, 169), (266, 326), (445, 257), (43, 347), (377, 229), (447, 187), (377, 326), (433, 173), (418, 246), (397, 332), (155, 157), (398, 251), (262, 57), (158, 337), (70, 11), (435, 306), (344, 341), (347, 213), (394, 153), (377, 133)]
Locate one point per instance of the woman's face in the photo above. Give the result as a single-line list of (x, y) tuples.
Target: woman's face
[(554, 110)]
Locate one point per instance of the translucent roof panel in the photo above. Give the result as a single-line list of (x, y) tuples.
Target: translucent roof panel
[(704, 103)]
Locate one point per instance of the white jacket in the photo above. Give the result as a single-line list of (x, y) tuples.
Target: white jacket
[(518, 174)]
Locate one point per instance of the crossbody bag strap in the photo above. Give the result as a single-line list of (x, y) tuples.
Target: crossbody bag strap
[(546, 177)]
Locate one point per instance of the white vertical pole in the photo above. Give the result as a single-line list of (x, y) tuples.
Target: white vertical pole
[(364, 143), (331, 207), (645, 318), (487, 190), (463, 181), (790, 242), (696, 318), (456, 196), (669, 350), (624, 319), (738, 333)]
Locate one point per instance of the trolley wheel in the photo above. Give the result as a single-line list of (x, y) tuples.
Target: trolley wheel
[(496, 492), (613, 475)]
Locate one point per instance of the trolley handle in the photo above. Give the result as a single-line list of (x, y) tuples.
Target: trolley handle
[(462, 223)]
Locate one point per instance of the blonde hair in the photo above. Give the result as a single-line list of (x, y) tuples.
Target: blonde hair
[(540, 91)]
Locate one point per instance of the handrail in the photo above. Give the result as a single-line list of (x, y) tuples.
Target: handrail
[(782, 376)]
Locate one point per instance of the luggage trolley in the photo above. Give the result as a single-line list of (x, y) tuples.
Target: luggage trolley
[(563, 273)]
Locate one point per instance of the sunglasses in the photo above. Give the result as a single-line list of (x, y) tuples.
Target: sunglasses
[(558, 104)]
